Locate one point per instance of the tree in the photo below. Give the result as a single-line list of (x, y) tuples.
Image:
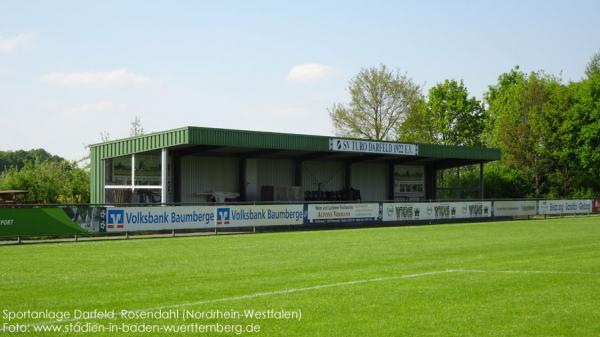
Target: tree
[(525, 117), (418, 126), (380, 100), (49, 181), (580, 133), (18, 158), (593, 67), (136, 128), (457, 118)]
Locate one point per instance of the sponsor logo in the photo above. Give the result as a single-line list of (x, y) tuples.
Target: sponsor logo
[(115, 218), (223, 215)]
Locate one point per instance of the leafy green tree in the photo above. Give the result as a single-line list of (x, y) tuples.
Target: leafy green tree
[(593, 67), (457, 118), (448, 116), (580, 134), (418, 126), (525, 117), (503, 181), (380, 100), (49, 181), (18, 158)]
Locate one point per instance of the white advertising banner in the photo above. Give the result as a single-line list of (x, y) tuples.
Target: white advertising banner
[(515, 207), (259, 215), (407, 211), (557, 207), (350, 145), (318, 213), (129, 219)]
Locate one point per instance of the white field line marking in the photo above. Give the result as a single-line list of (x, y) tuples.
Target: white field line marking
[(557, 272), (334, 285)]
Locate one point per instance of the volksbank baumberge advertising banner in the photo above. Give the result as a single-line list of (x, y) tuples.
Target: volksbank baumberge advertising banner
[(129, 219), (406, 211), (515, 207), (321, 213), (554, 207), (192, 217), (259, 215)]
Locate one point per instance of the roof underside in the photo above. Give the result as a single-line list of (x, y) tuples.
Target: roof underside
[(251, 144)]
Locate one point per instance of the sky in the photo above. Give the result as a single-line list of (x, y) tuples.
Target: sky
[(73, 70)]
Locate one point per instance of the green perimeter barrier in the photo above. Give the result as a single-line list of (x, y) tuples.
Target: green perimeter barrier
[(36, 221)]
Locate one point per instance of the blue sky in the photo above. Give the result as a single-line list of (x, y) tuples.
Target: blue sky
[(70, 70)]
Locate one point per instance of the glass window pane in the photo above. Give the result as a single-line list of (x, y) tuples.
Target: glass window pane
[(118, 171), (148, 169), (117, 196), (146, 196)]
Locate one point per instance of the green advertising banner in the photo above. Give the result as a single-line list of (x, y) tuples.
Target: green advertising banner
[(36, 221)]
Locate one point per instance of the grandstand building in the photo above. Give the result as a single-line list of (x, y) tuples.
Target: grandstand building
[(198, 165)]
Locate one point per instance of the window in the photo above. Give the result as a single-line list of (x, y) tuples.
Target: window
[(133, 179)]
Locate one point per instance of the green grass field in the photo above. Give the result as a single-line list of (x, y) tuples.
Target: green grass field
[(515, 278)]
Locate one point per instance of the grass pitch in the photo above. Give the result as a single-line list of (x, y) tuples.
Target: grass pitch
[(515, 278)]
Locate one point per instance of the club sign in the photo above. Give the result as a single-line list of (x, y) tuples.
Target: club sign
[(349, 145)]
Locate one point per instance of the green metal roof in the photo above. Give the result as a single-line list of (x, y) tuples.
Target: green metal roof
[(263, 140)]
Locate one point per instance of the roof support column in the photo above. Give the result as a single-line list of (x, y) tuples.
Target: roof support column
[(164, 160), (481, 182), (390, 181), (177, 178), (430, 182)]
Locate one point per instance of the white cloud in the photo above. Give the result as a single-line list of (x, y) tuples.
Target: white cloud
[(8, 44), (98, 79), (308, 72)]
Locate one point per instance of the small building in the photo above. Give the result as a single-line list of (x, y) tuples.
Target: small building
[(198, 165)]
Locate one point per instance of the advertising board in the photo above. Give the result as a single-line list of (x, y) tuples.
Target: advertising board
[(125, 219), (129, 219), (596, 206), (259, 215), (515, 207), (407, 211), (320, 213), (558, 207)]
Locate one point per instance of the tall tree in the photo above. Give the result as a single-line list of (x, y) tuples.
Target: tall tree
[(449, 116), (418, 126), (457, 118), (380, 100), (580, 134), (525, 117)]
